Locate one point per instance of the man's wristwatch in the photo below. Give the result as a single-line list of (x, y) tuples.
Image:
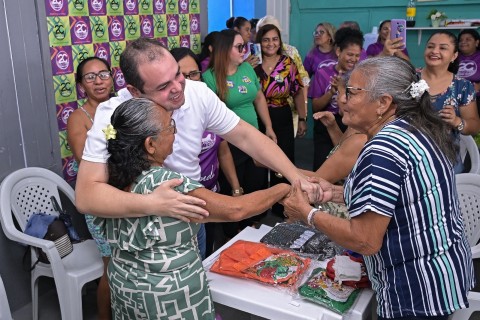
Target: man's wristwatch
[(461, 126), (302, 119), (238, 191)]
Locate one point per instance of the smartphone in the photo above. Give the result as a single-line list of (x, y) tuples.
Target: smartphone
[(398, 28), (256, 50)]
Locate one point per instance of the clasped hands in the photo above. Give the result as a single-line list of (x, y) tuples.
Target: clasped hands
[(304, 192)]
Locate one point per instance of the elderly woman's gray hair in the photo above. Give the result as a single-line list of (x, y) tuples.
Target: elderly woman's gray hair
[(134, 121), (395, 77)]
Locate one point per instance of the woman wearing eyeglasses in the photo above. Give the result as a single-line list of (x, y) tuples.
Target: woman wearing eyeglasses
[(322, 54), (405, 216), (215, 154), (95, 79), (237, 84), (156, 272), (324, 86)]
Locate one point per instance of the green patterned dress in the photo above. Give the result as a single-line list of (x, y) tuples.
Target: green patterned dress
[(155, 270)]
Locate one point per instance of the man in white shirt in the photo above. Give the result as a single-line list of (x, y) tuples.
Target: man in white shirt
[(151, 72)]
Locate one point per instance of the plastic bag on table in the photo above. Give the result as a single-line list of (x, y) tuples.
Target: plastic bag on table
[(301, 238), (253, 260), (320, 289)]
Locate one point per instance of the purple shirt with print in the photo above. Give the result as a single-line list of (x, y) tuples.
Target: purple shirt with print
[(321, 84), (316, 59), (469, 67), (376, 48), (209, 164)]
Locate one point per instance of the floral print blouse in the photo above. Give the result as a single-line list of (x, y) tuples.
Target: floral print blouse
[(283, 82)]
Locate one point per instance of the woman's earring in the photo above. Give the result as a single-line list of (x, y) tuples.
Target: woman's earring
[(380, 117)]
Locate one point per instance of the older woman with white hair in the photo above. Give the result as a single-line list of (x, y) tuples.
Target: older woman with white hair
[(401, 196)]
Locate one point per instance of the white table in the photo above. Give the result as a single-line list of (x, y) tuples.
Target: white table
[(269, 302)]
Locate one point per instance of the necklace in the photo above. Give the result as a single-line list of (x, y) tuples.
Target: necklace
[(342, 140)]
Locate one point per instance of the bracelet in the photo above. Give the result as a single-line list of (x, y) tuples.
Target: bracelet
[(302, 119), (237, 191), (311, 217)]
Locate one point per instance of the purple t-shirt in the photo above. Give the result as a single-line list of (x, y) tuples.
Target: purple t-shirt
[(204, 64), (316, 59), (376, 48), (209, 164), (321, 84), (470, 67)]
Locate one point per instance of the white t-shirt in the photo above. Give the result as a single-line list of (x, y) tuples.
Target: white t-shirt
[(202, 111)]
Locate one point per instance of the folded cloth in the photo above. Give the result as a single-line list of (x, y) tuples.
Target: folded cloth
[(346, 269), (245, 259), (38, 223)]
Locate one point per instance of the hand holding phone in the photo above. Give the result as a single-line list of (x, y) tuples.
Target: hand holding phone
[(256, 50), (398, 29)]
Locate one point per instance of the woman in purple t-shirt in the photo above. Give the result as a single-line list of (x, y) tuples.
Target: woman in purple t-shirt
[(323, 89), (384, 46), (469, 56), (322, 54)]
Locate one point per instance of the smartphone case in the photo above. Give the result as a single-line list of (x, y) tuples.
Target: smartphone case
[(398, 29), (256, 50)]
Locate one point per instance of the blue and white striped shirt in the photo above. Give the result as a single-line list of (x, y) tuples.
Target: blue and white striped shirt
[(424, 267)]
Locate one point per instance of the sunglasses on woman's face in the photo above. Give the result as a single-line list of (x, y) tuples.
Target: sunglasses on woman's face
[(240, 47)]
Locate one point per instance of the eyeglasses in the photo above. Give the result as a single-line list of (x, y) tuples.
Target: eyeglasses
[(318, 33), (240, 47), (91, 76), (193, 75), (348, 90), (172, 125)]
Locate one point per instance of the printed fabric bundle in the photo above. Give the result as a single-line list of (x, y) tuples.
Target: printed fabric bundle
[(319, 288), (252, 260), (301, 238)]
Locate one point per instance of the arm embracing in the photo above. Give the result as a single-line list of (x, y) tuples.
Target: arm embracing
[(95, 196), (225, 208)]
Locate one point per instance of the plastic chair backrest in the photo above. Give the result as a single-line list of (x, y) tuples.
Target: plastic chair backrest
[(468, 145), (31, 192), (468, 189)]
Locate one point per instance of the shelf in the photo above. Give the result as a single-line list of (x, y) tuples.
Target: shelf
[(420, 29)]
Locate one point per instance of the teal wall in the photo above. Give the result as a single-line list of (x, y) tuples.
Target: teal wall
[(306, 14)]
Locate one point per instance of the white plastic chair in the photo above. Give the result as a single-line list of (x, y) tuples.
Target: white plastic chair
[(468, 145), (27, 191), (4, 307), (468, 188)]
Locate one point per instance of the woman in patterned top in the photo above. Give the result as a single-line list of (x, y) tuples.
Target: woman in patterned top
[(280, 80), (452, 96), (401, 196), (94, 77), (155, 270)]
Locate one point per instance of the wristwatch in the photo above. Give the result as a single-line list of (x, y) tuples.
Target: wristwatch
[(302, 119), (461, 126), (237, 191)]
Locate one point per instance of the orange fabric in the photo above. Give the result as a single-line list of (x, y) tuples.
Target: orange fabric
[(253, 260)]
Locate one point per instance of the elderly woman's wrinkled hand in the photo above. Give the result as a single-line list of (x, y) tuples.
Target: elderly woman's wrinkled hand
[(296, 204)]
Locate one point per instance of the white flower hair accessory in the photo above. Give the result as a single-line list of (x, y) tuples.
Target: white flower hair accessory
[(418, 88), (110, 132)]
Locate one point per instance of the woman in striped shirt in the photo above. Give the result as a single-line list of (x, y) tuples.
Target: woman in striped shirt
[(401, 196)]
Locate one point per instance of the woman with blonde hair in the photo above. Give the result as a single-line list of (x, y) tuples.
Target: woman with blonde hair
[(322, 54)]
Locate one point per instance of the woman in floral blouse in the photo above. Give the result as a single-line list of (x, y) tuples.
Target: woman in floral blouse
[(280, 79), (451, 96)]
